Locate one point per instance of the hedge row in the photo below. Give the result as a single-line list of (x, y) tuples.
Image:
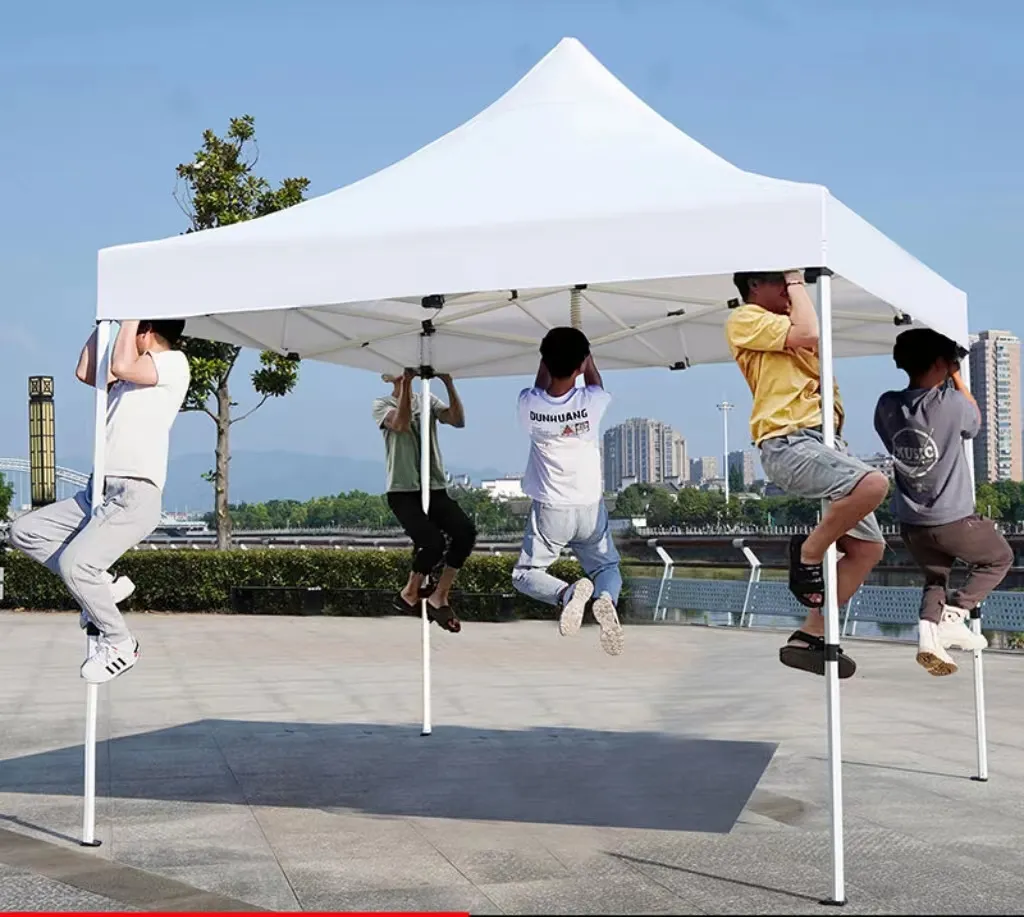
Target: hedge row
[(202, 581)]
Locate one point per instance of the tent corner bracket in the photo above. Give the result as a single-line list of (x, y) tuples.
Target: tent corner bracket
[(433, 301), (812, 274)]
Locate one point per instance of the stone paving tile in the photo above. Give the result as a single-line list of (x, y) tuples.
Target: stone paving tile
[(686, 776)]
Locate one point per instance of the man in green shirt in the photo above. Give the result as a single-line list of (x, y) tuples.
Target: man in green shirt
[(399, 417)]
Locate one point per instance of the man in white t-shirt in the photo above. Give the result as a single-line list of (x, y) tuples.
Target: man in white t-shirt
[(563, 478), (147, 384)]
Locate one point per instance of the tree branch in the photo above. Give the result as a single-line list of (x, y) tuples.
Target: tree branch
[(253, 411), (200, 409)]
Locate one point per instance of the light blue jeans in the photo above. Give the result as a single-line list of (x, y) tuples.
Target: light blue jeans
[(584, 529)]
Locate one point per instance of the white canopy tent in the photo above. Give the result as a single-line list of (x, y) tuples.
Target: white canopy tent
[(567, 200)]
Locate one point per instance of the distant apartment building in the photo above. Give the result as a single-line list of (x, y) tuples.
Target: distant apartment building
[(995, 383), (703, 469), (509, 487), (643, 451), (746, 461), (880, 461)]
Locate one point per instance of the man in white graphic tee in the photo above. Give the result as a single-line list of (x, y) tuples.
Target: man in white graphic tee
[(563, 478), (147, 384)]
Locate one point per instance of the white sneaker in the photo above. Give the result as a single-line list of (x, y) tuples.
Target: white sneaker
[(931, 653), (110, 660), (120, 589), (608, 619), (572, 612), (954, 630)]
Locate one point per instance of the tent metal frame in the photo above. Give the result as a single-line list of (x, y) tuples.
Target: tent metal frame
[(482, 303)]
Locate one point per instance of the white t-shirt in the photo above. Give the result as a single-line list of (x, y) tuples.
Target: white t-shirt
[(564, 468), (139, 420)]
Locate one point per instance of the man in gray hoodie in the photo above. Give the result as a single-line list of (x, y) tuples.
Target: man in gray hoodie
[(924, 427)]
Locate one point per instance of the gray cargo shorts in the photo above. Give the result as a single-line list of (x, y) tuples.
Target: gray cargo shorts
[(803, 466)]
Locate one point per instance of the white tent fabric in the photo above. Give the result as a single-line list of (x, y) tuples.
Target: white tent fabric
[(567, 179)]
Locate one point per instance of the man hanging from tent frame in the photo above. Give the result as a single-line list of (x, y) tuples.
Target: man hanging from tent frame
[(924, 427), (399, 417), (147, 382), (773, 337), (563, 478)]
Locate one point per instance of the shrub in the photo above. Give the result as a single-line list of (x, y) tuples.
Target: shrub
[(202, 581)]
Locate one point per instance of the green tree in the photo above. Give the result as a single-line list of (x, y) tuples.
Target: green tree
[(487, 514), (753, 512), (6, 495), (696, 507), (217, 188), (992, 501), (661, 508), (632, 501), (736, 485)]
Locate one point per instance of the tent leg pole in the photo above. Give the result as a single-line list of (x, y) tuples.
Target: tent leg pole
[(979, 671), (979, 704), (96, 500), (835, 754), (425, 419)]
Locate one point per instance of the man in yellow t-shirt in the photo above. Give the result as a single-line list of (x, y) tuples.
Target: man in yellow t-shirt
[(773, 337)]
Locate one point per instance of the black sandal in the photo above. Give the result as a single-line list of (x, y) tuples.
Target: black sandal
[(403, 607), (805, 579), (444, 617), (811, 658)]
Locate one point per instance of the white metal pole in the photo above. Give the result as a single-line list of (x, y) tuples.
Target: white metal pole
[(725, 407), (979, 671), (96, 500), (835, 755), (425, 419), (725, 446)]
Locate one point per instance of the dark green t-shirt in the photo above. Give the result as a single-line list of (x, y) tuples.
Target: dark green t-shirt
[(403, 449)]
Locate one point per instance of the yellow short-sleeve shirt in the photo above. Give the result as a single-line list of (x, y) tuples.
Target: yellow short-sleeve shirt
[(785, 383)]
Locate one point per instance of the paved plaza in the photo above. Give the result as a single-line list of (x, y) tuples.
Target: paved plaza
[(277, 763)]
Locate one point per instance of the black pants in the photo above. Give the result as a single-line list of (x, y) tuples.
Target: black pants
[(428, 531)]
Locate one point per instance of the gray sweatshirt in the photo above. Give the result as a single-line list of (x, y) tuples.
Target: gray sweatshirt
[(924, 431)]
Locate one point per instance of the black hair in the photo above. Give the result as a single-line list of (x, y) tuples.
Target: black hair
[(563, 351), (743, 279), (917, 350), (170, 329)]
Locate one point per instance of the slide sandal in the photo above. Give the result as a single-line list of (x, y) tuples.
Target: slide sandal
[(444, 617), (805, 579), (811, 658)]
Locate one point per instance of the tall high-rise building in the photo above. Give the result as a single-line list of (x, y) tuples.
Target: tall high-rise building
[(703, 469), (643, 451), (995, 383), (745, 461)]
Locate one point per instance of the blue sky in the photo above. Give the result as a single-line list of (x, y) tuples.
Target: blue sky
[(908, 111)]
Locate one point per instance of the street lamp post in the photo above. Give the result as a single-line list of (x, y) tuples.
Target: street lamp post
[(725, 407)]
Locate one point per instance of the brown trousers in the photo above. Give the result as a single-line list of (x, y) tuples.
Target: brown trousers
[(973, 540)]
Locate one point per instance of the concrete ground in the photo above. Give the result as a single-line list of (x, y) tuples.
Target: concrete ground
[(277, 763)]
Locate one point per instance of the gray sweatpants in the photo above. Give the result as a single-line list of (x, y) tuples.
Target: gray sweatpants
[(81, 548)]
